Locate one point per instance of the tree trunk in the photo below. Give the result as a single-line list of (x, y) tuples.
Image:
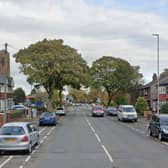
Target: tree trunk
[(109, 98), (60, 97)]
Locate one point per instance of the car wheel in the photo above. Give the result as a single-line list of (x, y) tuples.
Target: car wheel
[(160, 136), (135, 120), (149, 132), (38, 141)]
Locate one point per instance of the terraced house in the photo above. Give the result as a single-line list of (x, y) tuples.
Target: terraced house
[(149, 91), (6, 81)]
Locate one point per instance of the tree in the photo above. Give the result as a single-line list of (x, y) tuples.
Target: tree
[(114, 74), (53, 65), (141, 105), (164, 108), (19, 96)]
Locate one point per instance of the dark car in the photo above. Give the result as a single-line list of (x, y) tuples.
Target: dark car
[(158, 126), (111, 111), (48, 118)]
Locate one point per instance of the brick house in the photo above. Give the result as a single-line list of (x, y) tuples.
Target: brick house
[(149, 91), (6, 81)]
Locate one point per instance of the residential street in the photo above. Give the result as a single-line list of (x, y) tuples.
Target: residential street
[(82, 141)]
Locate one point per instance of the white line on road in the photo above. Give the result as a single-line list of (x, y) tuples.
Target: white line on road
[(41, 141), (92, 129), (27, 159), (21, 166), (98, 138), (107, 153), (42, 130), (45, 137), (6, 161)]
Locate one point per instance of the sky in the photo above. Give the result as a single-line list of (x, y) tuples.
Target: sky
[(119, 28)]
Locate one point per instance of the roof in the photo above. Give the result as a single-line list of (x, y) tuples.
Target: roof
[(16, 124), (148, 85)]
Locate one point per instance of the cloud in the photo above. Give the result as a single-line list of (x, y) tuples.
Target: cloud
[(94, 30)]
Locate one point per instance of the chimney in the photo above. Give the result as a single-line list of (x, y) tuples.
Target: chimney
[(154, 78)]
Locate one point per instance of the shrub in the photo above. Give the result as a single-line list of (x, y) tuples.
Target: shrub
[(164, 108), (141, 105), (16, 114)]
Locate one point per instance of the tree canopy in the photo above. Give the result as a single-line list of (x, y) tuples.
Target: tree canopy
[(19, 96), (52, 64), (114, 74)]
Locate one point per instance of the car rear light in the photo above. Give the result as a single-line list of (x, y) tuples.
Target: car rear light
[(25, 139)]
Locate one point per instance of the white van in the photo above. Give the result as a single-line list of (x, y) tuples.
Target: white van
[(127, 113)]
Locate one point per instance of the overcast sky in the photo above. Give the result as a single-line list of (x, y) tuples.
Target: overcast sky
[(120, 28)]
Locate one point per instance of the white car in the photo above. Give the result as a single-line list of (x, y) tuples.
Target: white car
[(127, 113), (60, 111), (18, 107), (18, 136)]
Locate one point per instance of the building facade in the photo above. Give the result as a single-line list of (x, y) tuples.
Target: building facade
[(149, 92), (6, 82)]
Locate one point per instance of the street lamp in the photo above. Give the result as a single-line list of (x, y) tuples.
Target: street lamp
[(158, 103)]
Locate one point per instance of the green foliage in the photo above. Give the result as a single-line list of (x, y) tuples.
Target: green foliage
[(141, 105), (16, 114), (121, 100), (114, 74), (164, 108), (53, 65), (19, 96)]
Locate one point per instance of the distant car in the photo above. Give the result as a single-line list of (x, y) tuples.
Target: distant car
[(18, 136), (48, 118), (127, 113), (111, 111), (158, 126), (97, 111), (18, 107), (60, 111)]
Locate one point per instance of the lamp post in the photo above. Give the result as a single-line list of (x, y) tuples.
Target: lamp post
[(158, 102)]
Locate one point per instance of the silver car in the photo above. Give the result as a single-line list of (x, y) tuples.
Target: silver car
[(18, 136)]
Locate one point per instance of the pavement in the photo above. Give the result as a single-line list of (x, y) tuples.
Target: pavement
[(82, 141)]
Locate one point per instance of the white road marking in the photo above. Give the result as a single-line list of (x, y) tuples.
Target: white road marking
[(107, 153), (52, 128), (27, 159), (34, 151), (98, 138), (37, 146), (45, 137), (93, 130), (42, 130), (41, 141), (21, 166), (6, 161), (165, 143)]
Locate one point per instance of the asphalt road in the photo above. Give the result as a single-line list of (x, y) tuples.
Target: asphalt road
[(82, 141)]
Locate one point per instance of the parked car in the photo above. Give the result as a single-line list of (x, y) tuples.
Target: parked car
[(18, 136), (111, 111), (97, 111), (127, 113), (48, 118), (60, 111), (158, 126), (18, 107)]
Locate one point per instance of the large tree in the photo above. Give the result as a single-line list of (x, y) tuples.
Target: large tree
[(19, 96), (115, 75), (53, 65)]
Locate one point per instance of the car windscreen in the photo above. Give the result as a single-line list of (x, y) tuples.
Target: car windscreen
[(48, 114), (60, 108), (164, 121), (97, 108), (128, 109), (12, 130)]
